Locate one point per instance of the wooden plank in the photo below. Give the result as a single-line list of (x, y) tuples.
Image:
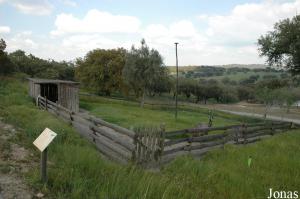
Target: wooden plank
[(102, 140), (206, 138), (174, 150), (175, 141), (268, 132), (113, 126), (127, 143), (204, 145), (86, 133), (78, 118)]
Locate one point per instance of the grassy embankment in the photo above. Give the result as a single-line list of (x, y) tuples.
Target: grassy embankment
[(76, 169)]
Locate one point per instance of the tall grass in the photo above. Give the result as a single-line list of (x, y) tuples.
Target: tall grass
[(77, 170)]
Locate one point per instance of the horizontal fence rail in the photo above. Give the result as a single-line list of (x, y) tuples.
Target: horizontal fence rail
[(114, 142), (193, 141), (159, 147)]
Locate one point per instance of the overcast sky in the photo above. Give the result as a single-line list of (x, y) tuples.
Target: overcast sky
[(208, 31)]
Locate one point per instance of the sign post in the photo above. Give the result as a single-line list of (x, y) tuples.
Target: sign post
[(42, 142)]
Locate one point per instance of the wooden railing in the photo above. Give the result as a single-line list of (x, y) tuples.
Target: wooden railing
[(114, 142), (155, 148), (198, 141)]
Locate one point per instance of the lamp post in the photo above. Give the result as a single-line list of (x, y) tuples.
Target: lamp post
[(176, 96)]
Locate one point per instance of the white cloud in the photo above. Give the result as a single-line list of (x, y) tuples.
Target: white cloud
[(222, 39), (4, 29), (22, 41), (33, 7), (69, 3), (247, 22), (96, 21)]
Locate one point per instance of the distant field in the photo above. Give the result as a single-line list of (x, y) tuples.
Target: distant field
[(237, 76), (129, 114), (240, 75)]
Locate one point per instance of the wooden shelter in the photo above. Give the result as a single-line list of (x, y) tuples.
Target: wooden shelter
[(64, 93)]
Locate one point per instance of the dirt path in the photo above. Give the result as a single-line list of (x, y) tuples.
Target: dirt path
[(254, 110), (271, 117), (13, 164)]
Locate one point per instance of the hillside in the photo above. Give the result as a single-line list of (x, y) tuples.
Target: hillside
[(77, 170), (234, 72)]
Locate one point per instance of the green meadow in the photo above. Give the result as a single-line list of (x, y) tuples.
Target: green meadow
[(129, 114)]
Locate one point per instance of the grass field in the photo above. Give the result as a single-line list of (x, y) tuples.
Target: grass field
[(129, 114), (78, 171)]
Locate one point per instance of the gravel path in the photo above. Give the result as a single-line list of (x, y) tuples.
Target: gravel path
[(270, 117)]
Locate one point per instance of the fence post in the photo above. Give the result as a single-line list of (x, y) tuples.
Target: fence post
[(46, 104), (134, 151), (236, 135), (224, 139), (44, 166), (272, 129), (37, 101), (161, 143), (70, 115), (244, 128), (292, 125)]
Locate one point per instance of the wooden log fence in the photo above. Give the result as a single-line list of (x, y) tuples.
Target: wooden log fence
[(187, 141), (159, 147), (114, 142)]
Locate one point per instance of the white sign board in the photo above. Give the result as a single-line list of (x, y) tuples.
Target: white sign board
[(44, 139)]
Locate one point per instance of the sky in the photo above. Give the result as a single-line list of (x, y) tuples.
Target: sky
[(209, 32)]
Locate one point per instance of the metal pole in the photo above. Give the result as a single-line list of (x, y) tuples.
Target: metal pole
[(176, 96), (44, 166)]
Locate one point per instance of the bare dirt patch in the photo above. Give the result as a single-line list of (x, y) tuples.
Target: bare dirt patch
[(13, 163)]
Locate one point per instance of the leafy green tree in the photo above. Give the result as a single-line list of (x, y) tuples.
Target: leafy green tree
[(101, 70), (286, 97), (37, 67), (6, 66), (186, 86), (2, 45), (143, 68), (162, 84), (282, 45), (267, 96), (245, 93)]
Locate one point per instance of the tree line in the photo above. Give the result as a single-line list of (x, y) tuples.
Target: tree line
[(33, 66)]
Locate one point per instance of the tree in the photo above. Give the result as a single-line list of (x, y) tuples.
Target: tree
[(37, 67), (267, 96), (282, 45), (101, 70), (162, 84), (143, 68), (2, 45), (6, 66), (286, 97), (245, 93), (186, 86)]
